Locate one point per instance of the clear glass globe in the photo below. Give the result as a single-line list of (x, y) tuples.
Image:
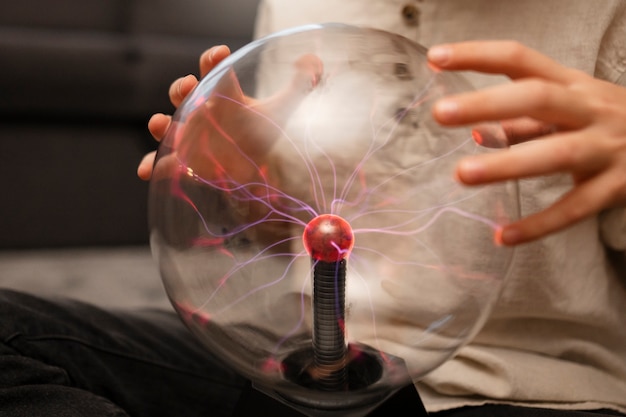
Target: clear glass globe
[(306, 219)]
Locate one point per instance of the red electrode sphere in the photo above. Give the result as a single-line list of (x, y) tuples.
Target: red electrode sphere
[(328, 238)]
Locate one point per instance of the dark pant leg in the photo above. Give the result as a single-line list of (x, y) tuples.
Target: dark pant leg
[(77, 359)]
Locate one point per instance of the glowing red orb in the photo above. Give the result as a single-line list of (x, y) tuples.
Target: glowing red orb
[(328, 238)]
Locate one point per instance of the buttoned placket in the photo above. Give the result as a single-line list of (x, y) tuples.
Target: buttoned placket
[(411, 13)]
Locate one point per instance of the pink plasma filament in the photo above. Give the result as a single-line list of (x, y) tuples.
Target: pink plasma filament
[(328, 238)]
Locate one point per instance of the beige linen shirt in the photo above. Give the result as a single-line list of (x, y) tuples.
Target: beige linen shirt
[(557, 337)]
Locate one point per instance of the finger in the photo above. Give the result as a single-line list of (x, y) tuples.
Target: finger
[(180, 88), (158, 125), (571, 152), (500, 57), (308, 72), (510, 132), (525, 128), (586, 199), (543, 101), (211, 57), (259, 121), (229, 89), (144, 170), (309, 69)]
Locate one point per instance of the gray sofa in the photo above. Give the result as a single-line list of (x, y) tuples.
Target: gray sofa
[(78, 81)]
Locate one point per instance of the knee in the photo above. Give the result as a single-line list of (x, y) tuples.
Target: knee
[(18, 312)]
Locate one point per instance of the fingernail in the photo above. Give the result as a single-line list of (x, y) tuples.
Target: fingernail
[(214, 51), (497, 236), (510, 236), (439, 55), (182, 83)]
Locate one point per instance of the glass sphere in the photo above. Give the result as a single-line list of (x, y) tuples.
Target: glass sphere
[(307, 223)]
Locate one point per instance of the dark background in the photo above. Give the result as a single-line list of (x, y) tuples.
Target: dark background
[(79, 80)]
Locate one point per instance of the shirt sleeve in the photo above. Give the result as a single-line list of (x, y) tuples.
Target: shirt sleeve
[(262, 26)]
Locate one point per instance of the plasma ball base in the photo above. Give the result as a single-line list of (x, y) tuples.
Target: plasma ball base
[(363, 373), (403, 403)]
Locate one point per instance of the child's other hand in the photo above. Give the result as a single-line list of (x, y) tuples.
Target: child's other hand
[(570, 122)]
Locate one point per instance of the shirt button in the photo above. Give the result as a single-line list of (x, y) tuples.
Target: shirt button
[(411, 15), (401, 70)]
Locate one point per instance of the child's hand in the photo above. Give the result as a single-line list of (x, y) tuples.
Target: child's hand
[(233, 130), (179, 89), (580, 121)]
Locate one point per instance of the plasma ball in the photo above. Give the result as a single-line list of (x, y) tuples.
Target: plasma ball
[(328, 238)]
